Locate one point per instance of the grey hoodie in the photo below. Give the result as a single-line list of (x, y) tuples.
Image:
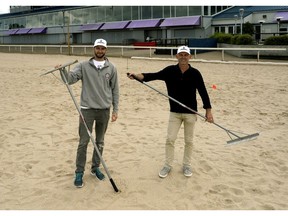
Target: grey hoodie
[(100, 87)]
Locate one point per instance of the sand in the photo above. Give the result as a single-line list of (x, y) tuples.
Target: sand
[(39, 138)]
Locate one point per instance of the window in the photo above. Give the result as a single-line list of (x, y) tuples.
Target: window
[(117, 13), (206, 10), (135, 12), (76, 16), (231, 29), (181, 11), (109, 15), (218, 29), (157, 11), (146, 12), (127, 12), (194, 10), (167, 11), (90, 15), (101, 14)]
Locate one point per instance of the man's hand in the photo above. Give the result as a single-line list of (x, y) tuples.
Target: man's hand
[(135, 76), (209, 116), (114, 117)]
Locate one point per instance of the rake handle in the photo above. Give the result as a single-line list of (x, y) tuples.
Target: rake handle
[(183, 105)]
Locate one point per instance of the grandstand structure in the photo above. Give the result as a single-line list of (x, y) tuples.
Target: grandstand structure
[(126, 25)]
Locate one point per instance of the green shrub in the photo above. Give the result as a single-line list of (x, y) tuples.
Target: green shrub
[(244, 39), (234, 39), (277, 40), (222, 37)]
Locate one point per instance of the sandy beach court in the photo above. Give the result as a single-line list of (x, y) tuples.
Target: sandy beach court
[(39, 138)]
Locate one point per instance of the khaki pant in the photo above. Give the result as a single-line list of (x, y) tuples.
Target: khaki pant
[(175, 121)]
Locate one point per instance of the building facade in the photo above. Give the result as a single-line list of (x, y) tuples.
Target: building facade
[(128, 24), (266, 20), (115, 23)]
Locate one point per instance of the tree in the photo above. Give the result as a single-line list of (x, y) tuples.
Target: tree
[(248, 28)]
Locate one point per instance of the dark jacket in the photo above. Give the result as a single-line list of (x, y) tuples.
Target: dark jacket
[(182, 87)]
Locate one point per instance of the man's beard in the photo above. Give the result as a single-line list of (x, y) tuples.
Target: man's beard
[(99, 55)]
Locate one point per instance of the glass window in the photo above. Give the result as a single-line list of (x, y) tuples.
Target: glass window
[(20, 22), (127, 12), (60, 19), (33, 21), (222, 29), (231, 29), (181, 11), (90, 15), (110, 13), (167, 10), (101, 14), (135, 12), (173, 11), (206, 11), (213, 10), (219, 8), (157, 11), (7, 23), (76, 17), (117, 13), (146, 12), (194, 10)]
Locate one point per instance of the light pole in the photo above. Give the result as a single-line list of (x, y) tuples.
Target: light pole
[(68, 30), (241, 12), (235, 27), (261, 22), (278, 24)]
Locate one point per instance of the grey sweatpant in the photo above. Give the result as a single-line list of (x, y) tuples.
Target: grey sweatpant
[(101, 119)]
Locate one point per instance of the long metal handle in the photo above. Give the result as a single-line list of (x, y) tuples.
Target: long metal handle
[(59, 68), (173, 99), (88, 131)]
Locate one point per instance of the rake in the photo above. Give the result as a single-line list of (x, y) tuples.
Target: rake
[(237, 139), (61, 68)]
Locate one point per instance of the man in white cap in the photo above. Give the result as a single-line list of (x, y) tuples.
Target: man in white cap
[(182, 82), (100, 91)]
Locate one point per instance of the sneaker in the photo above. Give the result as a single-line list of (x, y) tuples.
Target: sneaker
[(164, 172), (78, 182), (98, 174), (187, 171)]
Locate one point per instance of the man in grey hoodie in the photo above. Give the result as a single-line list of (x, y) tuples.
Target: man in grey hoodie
[(100, 90)]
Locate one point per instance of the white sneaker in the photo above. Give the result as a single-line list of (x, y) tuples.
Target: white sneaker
[(164, 171), (187, 171)]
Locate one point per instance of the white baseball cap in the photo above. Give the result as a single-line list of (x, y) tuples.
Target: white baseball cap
[(100, 42), (183, 49)]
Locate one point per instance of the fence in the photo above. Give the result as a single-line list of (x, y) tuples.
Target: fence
[(125, 51)]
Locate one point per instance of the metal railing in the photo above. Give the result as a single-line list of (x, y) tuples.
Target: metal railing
[(123, 51)]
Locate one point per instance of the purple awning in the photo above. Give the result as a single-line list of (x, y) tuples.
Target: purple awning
[(91, 27), (115, 25), (12, 31), (37, 31), (144, 23), (23, 31), (283, 15), (181, 21)]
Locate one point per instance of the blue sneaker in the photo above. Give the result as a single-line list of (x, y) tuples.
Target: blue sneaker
[(98, 174), (78, 182)]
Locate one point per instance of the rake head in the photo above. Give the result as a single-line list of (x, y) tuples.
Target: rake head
[(242, 139)]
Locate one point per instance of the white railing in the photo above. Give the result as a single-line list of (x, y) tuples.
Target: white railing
[(121, 51)]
